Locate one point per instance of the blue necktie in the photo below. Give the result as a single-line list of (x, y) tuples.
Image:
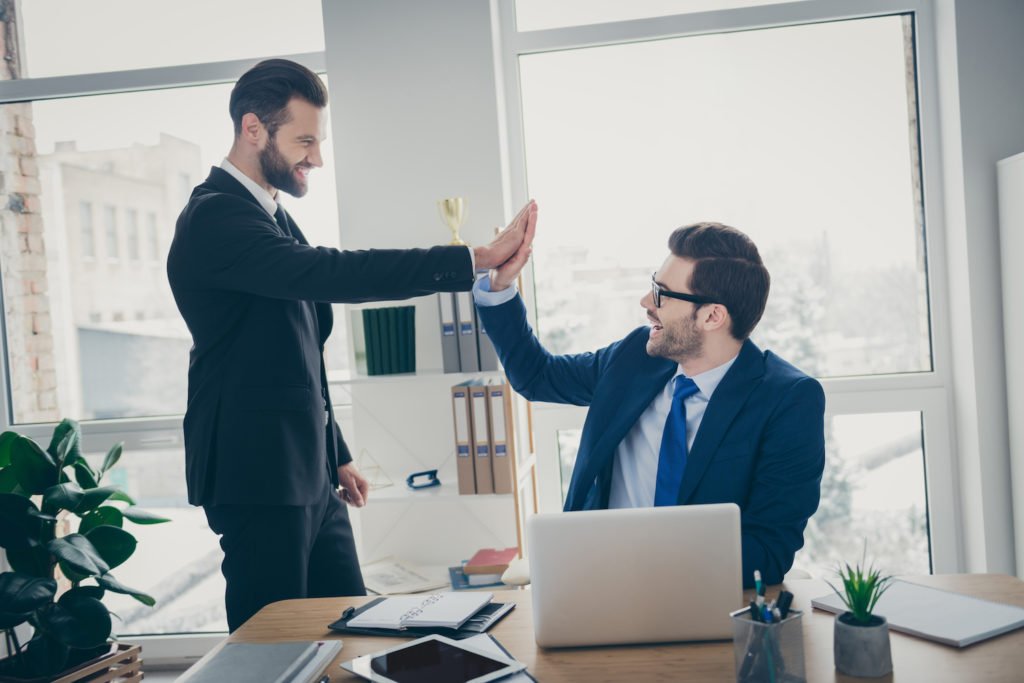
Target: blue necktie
[(672, 459)]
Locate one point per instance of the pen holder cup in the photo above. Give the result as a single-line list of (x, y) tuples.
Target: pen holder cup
[(768, 652)]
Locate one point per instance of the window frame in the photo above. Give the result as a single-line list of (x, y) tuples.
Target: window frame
[(929, 392), (145, 433)]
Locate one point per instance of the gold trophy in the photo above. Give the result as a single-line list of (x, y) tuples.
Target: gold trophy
[(453, 212)]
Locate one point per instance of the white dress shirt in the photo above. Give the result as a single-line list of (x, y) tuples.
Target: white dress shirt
[(635, 472), (268, 202)]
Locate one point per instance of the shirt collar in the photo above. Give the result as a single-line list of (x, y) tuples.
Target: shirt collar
[(709, 380), (268, 203)]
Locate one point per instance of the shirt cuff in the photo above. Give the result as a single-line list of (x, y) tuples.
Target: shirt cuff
[(483, 296)]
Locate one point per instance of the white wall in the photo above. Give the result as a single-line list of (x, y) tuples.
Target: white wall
[(981, 83)]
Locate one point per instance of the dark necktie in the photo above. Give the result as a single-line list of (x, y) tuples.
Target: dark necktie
[(672, 459), (282, 220)]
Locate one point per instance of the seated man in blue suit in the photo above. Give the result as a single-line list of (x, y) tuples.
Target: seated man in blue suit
[(688, 410)]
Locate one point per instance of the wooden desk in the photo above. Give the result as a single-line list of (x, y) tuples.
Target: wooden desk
[(914, 659)]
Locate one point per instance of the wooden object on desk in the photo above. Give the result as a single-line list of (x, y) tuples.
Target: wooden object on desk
[(914, 659)]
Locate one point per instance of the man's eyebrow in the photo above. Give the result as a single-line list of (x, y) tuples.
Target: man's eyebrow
[(303, 138)]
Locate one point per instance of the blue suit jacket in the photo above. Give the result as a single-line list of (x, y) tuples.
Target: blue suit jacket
[(761, 443)]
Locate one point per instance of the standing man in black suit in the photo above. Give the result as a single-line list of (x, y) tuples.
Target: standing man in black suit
[(263, 452)]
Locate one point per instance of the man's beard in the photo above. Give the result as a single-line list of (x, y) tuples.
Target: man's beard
[(278, 172), (680, 342)]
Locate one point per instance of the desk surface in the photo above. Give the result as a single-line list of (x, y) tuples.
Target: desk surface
[(914, 659)]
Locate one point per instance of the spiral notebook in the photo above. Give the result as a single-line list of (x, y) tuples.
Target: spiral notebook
[(443, 610)]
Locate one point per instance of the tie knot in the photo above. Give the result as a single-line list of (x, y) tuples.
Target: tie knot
[(684, 386)]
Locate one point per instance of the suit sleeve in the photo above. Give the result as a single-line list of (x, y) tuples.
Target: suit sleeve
[(229, 244), (534, 372), (787, 483)]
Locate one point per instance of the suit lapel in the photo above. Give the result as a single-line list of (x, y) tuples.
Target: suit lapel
[(630, 400), (730, 396)]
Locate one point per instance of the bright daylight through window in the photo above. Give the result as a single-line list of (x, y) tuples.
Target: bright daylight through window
[(815, 158), (92, 332)]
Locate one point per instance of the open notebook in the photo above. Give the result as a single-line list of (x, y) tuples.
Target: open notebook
[(446, 610), (945, 617)]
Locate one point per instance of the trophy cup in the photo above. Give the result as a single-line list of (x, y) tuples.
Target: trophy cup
[(453, 211)]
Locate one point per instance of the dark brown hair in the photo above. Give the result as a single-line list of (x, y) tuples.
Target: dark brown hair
[(266, 89), (727, 268)]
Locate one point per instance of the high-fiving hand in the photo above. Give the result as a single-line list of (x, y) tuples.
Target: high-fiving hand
[(511, 246)]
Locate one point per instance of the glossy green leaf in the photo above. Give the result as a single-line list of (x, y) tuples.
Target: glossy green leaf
[(9, 481), (115, 545), (33, 560), (17, 527), (65, 440), (76, 554), (104, 514), (35, 469), (112, 584), (79, 621), (122, 496), (113, 455), (6, 441), (89, 591), (140, 516), (84, 475), (46, 655), (23, 594), (63, 497), (93, 498)]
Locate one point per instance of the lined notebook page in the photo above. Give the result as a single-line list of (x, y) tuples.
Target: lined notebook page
[(447, 610)]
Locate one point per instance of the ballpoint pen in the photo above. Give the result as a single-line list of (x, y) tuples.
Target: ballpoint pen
[(758, 584)]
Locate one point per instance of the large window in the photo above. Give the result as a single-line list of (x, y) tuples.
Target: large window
[(92, 331), (804, 136)]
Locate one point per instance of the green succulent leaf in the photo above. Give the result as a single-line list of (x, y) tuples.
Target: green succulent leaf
[(34, 561), (46, 655), (140, 516), (115, 545), (112, 584), (113, 455), (104, 514), (21, 594), (63, 497), (6, 441), (17, 526), (35, 468), (84, 474), (77, 556), (78, 621)]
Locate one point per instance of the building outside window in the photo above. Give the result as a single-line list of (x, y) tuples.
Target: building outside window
[(88, 246), (132, 236), (113, 242)]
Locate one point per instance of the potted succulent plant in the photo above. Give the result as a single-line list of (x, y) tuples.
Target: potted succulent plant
[(861, 638), (39, 488)]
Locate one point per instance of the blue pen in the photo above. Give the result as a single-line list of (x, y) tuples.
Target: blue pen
[(766, 615)]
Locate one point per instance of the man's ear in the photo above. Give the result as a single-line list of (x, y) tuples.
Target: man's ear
[(253, 129), (714, 317)]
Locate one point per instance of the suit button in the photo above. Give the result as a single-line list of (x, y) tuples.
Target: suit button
[(437, 277)]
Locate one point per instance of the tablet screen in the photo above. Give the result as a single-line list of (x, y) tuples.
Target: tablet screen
[(433, 660)]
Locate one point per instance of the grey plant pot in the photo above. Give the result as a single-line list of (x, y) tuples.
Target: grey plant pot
[(862, 650)]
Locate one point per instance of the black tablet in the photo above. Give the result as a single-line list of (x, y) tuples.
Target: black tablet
[(432, 659)]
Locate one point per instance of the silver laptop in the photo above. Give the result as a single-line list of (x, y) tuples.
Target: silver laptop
[(639, 575)]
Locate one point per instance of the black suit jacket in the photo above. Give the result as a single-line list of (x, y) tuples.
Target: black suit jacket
[(256, 298)]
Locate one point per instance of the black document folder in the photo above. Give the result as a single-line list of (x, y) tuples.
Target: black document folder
[(480, 622)]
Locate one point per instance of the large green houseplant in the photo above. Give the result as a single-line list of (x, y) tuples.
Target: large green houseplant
[(38, 488)]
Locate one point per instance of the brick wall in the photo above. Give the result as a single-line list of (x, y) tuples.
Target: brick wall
[(22, 252)]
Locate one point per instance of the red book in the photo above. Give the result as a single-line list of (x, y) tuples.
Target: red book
[(490, 561)]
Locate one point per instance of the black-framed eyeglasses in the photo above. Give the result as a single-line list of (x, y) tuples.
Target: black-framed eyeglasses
[(657, 291)]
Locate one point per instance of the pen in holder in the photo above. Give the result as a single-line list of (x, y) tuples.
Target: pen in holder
[(768, 652)]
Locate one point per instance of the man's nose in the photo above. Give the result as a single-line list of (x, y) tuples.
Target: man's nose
[(314, 157)]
